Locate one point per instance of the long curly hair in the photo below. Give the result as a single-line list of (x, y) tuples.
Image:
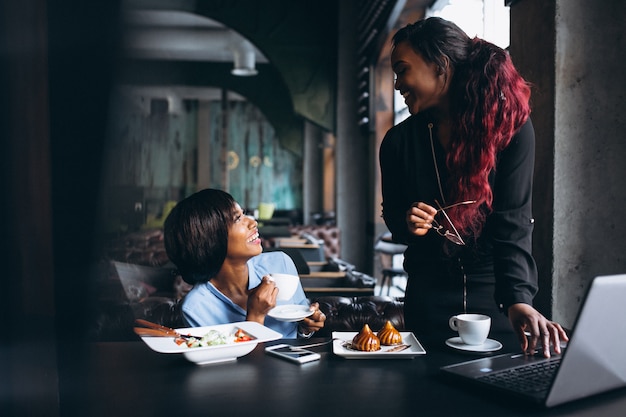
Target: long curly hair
[(490, 101)]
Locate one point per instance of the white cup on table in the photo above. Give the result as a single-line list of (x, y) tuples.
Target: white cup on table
[(473, 329)]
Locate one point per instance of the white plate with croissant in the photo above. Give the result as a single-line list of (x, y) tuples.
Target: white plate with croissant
[(409, 348)]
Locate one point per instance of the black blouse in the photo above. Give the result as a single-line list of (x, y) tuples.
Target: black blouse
[(504, 246)]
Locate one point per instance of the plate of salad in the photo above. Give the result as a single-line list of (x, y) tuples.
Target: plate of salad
[(214, 344)]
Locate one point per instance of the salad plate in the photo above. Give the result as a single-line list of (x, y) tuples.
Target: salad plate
[(342, 340), (290, 312), (228, 350)]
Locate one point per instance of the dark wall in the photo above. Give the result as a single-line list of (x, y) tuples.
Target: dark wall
[(55, 74), (25, 222), (83, 46)]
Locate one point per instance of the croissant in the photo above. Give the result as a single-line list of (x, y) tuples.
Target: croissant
[(366, 340), (388, 335)]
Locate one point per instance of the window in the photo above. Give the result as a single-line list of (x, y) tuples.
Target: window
[(487, 19)]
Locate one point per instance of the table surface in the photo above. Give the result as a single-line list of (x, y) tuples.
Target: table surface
[(127, 378)]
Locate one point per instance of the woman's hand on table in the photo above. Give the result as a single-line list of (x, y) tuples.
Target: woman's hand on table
[(314, 322), (526, 320), (419, 218)]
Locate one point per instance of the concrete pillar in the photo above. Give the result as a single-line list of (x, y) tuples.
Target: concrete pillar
[(586, 144), (313, 173), (352, 149), (590, 148)]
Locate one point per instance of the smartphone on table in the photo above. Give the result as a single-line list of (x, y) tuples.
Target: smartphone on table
[(292, 353)]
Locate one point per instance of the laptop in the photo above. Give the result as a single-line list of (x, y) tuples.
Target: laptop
[(593, 362)]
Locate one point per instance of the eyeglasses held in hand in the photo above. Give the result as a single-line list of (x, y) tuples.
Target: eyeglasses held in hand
[(452, 235)]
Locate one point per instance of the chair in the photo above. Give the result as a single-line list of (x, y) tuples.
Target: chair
[(387, 251)]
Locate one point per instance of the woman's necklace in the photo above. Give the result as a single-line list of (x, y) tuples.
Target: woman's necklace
[(432, 148), (443, 199)]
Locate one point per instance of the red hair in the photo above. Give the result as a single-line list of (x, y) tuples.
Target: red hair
[(490, 103)]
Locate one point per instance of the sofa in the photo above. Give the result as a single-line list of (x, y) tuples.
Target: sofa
[(351, 313), (328, 234)]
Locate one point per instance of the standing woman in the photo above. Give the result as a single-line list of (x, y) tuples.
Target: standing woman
[(217, 249), (457, 183)]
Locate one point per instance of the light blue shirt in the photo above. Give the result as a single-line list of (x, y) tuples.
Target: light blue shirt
[(205, 305)]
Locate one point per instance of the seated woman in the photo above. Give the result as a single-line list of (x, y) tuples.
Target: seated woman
[(217, 249)]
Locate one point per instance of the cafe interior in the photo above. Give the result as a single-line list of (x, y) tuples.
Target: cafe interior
[(113, 112)]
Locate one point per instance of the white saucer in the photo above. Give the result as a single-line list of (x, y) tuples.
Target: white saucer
[(290, 312), (490, 345)]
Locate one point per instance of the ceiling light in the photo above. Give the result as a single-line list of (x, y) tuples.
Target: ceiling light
[(244, 59)]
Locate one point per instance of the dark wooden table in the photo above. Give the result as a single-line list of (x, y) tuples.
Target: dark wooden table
[(129, 379)]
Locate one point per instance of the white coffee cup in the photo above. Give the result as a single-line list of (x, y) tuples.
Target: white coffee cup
[(287, 285), (473, 328)]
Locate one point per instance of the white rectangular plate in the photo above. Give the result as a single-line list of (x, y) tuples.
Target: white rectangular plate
[(218, 353), (415, 348)]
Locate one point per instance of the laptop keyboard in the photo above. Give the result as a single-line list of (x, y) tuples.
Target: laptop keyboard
[(533, 378)]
